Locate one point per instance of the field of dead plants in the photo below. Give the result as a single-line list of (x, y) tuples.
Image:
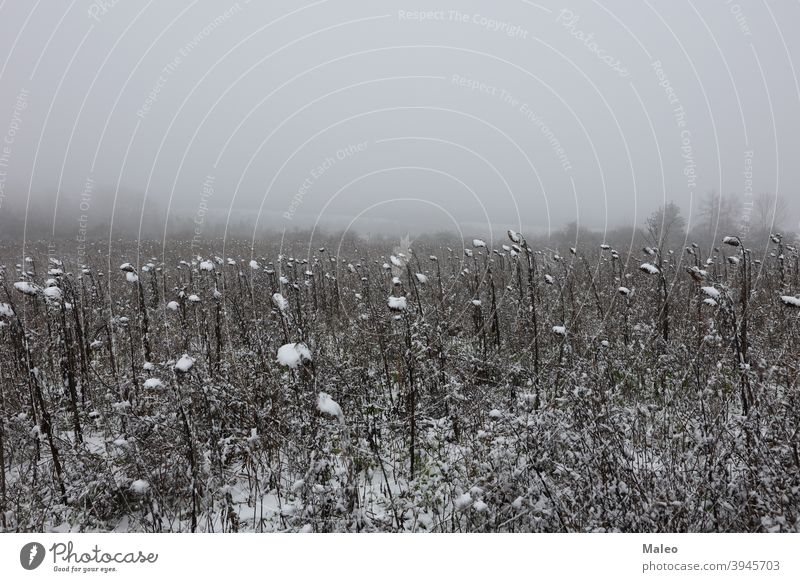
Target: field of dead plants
[(491, 386)]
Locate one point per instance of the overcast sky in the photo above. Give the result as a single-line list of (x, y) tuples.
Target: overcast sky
[(433, 114)]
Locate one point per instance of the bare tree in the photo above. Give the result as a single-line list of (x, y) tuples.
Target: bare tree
[(768, 216), (717, 214), (666, 226)]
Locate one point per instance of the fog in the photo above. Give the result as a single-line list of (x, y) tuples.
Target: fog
[(473, 117)]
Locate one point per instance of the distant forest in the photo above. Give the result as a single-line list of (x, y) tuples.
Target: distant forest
[(711, 217)]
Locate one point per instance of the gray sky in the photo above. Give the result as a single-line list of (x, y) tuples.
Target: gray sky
[(467, 114)]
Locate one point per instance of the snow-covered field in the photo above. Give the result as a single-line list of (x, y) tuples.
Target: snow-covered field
[(498, 387)]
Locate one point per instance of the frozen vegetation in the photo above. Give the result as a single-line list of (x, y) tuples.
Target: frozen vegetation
[(495, 386)]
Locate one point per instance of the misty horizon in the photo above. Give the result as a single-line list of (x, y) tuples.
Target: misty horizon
[(132, 221)]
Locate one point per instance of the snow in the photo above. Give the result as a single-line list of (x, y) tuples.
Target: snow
[(140, 486), (476, 302), (153, 383), (127, 267), (624, 291), (709, 301), (5, 310), (173, 305), (184, 364), (395, 261), (422, 278), (132, 277), (697, 273), (790, 301), (711, 292), (194, 299), (494, 413), (478, 243), (462, 502), (280, 301), (26, 288), (549, 279), (292, 355), (649, 268), (206, 266), (559, 330), (732, 241), (254, 265), (515, 237), (53, 293), (328, 405), (253, 438), (397, 303), (480, 506)]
